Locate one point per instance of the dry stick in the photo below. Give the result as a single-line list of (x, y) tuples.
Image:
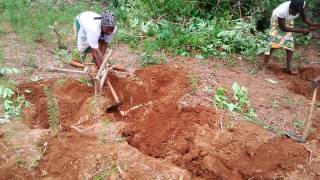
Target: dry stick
[(103, 79), (54, 69), (114, 94), (103, 65), (309, 122), (97, 80), (221, 122)]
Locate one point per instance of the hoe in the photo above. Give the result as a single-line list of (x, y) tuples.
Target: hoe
[(306, 130)]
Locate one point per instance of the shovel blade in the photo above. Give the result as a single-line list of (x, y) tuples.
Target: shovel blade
[(113, 109), (294, 136)]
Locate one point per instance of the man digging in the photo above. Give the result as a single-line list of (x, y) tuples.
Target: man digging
[(93, 32)]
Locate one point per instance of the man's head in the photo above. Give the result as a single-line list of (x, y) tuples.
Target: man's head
[(108, 22), (296, 6)]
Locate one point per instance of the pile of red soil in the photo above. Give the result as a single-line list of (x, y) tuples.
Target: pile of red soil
[(162, 128), (165, 130)]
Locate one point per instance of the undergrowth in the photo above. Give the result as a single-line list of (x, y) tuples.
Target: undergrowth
[(188, 28), (52, 107), (11, 101)]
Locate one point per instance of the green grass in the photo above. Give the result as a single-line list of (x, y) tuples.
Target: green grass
[(194, 82), (61, 80), (102, 132), (85, 81), (31, 19), (1, 56)]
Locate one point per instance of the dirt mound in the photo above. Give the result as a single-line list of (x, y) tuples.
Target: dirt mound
[(163, 129), (301, 83)]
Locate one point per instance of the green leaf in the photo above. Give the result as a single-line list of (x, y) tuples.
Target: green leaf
[(7, 104)]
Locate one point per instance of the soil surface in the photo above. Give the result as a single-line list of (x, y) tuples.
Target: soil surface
[(163, 127), (167, 126)]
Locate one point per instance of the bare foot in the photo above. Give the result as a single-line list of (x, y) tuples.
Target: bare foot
[(263, 69), (292, 71)]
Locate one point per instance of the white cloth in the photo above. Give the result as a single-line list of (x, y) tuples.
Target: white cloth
[(90, 31), (282, 11)]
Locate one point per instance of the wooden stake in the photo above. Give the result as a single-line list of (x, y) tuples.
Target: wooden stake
[(309, 122)]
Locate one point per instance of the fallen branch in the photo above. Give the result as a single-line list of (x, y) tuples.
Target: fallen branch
[(77, 129), (54, 69)]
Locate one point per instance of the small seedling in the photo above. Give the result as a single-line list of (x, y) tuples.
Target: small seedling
[(35, 160), (61, 81), (148, 59), (31, 61), (21, 162), (298, 124), (194, 82), (28, 71), (63, 56), (238, 102), (85, 81), (102, 134)]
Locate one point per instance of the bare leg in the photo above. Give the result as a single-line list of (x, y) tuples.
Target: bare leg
[(290, 68), (266, 60)]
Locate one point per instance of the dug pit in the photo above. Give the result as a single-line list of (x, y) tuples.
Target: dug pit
[(163, 128), (300, 83)]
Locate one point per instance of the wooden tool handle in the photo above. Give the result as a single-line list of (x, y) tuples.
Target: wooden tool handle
[(309, 122), (77, 64), (103, 65), (114, 94)]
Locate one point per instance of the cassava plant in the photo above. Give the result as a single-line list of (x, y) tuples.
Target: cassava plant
[(52, 106)]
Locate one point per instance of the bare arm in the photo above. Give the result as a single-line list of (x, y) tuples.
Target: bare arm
[(304, 16), (97, 57), (284, 27)]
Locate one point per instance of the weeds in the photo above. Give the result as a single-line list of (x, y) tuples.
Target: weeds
[(194, 82), (52, 106), (147, 59), (31, 61), (63, 56), (29, 165), (102, 134), (106, 173), (13, 103), (61, 80), (35, 160), (238, 101), (28, 71), (85, 81)]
